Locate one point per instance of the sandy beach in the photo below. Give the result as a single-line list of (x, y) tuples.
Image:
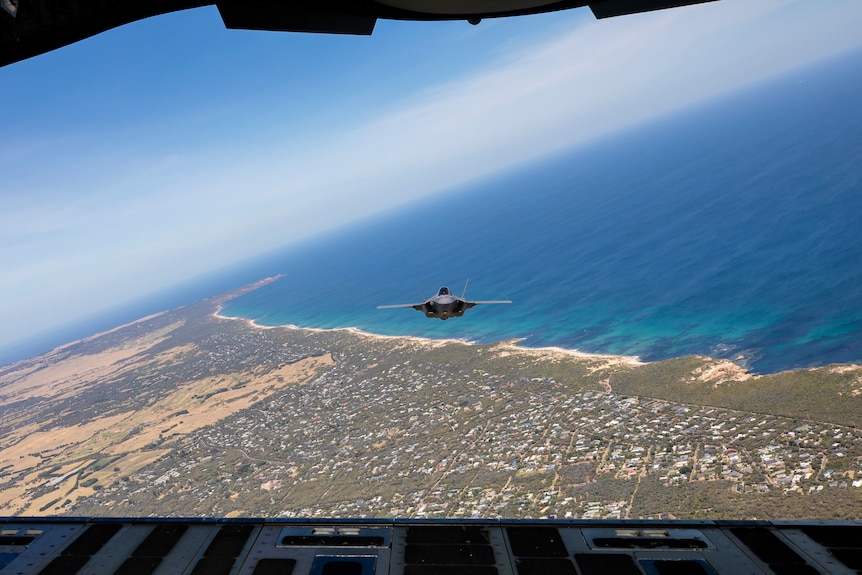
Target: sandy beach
[(512, 345)]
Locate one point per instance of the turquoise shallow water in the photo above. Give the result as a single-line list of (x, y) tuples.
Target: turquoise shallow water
[(733, 230)]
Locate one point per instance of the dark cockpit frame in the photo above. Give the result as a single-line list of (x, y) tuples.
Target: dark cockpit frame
[(32, 27)]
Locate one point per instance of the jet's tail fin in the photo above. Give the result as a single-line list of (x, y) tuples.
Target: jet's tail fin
[(464, 293), (420, 291)]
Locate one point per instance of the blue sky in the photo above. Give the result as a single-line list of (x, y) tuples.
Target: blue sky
[(171, 147)]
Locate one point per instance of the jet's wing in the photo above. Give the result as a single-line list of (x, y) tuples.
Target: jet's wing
[(418, 306), (469, 304)]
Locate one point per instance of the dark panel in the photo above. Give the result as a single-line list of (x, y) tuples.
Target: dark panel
[(460, 549), (449, 554), (229, 541), (545, 566), (850, 557), (138, 566), (213, 566), (450, 570), (292, 17), (606, 564), (793, 569), (536, 542), (845, 543), (7, 558), (160, 541), (342, 567), (679, 568), (767, 546), (274, 567), (15, 540), (93, 539), (610, 8), (828, 536), (65, 565)]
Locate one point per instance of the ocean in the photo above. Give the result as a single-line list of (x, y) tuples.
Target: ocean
[(731, 229)]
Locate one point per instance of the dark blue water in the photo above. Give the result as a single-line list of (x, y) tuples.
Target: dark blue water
[(732, 230)]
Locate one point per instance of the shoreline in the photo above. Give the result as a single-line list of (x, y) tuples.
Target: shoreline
[(720, 367), (356, 330), (511, 344)]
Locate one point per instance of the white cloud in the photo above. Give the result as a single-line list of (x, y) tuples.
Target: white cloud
[(595, 79)]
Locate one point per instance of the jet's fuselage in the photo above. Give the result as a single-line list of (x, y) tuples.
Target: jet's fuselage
[(444, 306)]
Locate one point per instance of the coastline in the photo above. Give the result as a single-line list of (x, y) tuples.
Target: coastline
[(717, 369), (425, 340), (511, 344)]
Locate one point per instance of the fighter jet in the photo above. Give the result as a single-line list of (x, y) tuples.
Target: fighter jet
[(444, 305)]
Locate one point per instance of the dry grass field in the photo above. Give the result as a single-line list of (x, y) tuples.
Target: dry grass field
[(49, 461)]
